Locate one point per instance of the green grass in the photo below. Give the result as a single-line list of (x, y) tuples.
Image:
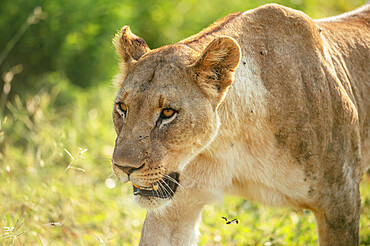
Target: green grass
[(56, 184), (57, 188)]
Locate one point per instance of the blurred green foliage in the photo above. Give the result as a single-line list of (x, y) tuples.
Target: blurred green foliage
[(73, 38), (56, 134)]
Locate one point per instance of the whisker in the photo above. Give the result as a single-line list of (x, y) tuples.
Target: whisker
[(176, 182), (166, 176), (104, 175), (170, 194), (168, 189), (158, 192), (188, 177), (114, 176), (161, 190)]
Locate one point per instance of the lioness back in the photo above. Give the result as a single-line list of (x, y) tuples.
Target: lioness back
[(312, 70)]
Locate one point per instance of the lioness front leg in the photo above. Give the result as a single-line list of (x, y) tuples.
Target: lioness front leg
[(177, 223), (338, 223), (170, 228)]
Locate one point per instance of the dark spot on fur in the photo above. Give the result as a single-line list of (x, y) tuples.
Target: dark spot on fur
[(280, 138), (311, 191), (138, 42), (303, 147), (144, 86), (307, 156)]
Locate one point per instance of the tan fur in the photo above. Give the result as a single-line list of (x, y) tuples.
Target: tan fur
[(272, 106)]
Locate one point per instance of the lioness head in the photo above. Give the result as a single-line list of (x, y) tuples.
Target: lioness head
[(165, 112)]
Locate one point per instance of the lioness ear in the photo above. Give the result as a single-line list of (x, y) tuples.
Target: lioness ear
[(130, 47), (215, 68)]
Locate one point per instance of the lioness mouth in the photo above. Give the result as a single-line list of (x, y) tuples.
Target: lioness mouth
[(163, 188)]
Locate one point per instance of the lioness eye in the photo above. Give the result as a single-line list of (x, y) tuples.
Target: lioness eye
[(121, 108), (167, 113)]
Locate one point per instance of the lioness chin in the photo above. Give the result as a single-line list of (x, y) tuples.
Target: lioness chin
[(267, 104)]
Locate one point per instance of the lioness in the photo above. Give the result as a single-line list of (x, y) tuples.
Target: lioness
[(267, 104)]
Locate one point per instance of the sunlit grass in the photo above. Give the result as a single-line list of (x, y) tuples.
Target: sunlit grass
[(57, 188), (56, 183)]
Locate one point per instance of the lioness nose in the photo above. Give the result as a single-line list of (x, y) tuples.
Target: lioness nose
[(128, 169)]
